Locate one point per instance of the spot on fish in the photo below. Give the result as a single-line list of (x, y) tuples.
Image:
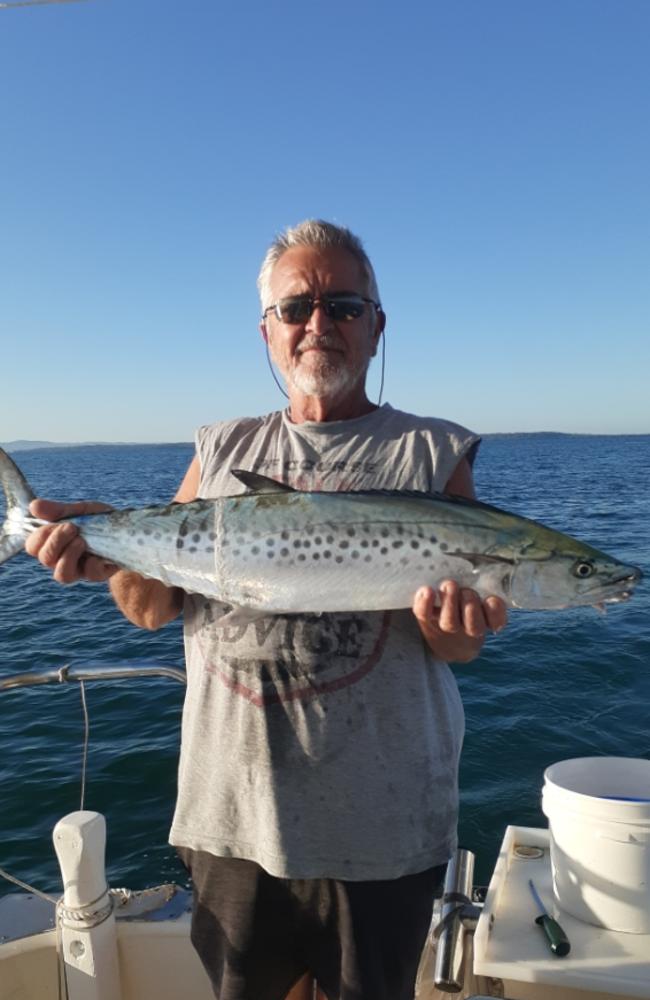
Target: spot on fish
[(297, 543), (383, 550), (367, 559), (306, 543), (344, 544), (318, 540), (285, 535), (270, 554), (397, 545), (339, 559), (330, 539), (384, 532), (327, 554), (192, 548), (284, 553), (302, 557), (351, 532), (364, 543), (355, 554), (427, 553), (443, 545), (270, 541), (255, 550), (209, 548), (315, 555), (196, 537), (179, 543)]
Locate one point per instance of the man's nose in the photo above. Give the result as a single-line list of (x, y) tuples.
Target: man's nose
[(319, 322)]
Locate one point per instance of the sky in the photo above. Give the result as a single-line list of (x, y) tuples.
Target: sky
[(494, 156)]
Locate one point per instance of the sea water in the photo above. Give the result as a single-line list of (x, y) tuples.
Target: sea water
[(552, 685)]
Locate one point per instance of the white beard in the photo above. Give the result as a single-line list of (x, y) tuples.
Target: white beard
[(325, 376), (325, 382)]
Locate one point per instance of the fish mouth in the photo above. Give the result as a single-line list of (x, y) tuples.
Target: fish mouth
[(618, 590)]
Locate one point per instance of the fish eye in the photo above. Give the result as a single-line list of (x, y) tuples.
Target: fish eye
[(582, 569)]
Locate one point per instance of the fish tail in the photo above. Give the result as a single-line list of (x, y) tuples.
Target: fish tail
[(18, 496)]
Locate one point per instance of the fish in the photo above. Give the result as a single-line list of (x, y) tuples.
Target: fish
[(277, 550)]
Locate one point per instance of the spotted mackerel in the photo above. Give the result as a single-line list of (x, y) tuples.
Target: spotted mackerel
[(277, 550)]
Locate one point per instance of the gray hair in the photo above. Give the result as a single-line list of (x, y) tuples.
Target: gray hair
[(320, 235)]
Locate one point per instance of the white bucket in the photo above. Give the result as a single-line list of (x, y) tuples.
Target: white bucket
[(598, 810)]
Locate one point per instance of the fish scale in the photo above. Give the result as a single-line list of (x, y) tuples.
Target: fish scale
[(295, 539), (276, 550)]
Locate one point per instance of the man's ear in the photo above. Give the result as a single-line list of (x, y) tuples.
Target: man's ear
[(265, 336)]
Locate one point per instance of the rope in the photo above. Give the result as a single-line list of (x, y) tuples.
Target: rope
[(451, 897), (28, 888), (84, 763), (84, 759), (90, 915)]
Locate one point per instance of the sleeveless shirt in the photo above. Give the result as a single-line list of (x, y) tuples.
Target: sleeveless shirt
[(321, 745)]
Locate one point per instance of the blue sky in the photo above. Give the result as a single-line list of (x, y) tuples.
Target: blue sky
[(494, 155)]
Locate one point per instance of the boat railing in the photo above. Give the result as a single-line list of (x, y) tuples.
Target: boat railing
[(89, 671)]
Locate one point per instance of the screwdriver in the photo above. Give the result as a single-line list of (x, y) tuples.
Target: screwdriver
[(557, 939)]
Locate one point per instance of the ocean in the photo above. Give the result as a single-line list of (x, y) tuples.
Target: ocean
[(551, 686)]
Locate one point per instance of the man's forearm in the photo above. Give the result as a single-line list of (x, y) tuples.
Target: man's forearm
[(147, 603)]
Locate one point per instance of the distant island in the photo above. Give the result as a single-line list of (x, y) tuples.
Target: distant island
[(29, 445), (24, 445), (34, 445)]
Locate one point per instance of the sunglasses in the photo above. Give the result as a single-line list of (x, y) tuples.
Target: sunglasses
[(341, 307)]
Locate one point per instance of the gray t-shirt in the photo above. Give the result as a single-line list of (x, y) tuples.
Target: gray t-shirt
[(321, 745)]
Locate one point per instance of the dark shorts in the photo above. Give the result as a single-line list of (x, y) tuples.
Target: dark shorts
[(257, 935)]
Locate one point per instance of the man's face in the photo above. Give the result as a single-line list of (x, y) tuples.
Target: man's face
[(321, 357)]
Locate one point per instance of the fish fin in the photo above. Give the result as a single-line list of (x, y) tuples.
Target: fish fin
[(18, 495), (10, 545), (240, 616), (260, 484)]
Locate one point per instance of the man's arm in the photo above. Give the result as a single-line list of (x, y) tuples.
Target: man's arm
[(455, 620), (147, 603)]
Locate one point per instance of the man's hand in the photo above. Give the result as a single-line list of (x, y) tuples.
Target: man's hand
[(61, 548), (455, 630)]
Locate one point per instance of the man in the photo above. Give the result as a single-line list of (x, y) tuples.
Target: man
[(317, 796)]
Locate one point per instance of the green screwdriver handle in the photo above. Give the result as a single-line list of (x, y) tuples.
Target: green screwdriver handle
[(556, 937)]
